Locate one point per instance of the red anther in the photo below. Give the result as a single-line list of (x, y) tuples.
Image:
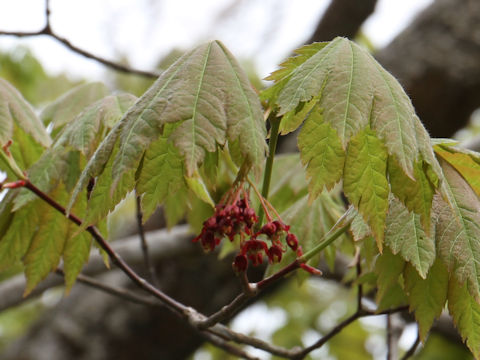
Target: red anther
[(240, 263), (14, 184), (310, 269), (274, 254), (292, 241), (269, 229)]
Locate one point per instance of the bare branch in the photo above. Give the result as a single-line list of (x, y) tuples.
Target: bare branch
[(47, 31)]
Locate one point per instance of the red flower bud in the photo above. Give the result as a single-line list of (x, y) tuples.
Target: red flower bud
[(240, 263), (292, 241), (269, 229)]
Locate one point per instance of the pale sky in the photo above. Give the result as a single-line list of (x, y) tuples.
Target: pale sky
[(144, 30)]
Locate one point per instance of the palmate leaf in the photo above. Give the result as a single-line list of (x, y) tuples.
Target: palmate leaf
[(405, 235), (426, 296), (207, 99), (354, 91), (458, 229), (341, 92), (209, 96)]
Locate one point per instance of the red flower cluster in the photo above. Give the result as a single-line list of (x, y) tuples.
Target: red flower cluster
[(228, 220), (238, 218)]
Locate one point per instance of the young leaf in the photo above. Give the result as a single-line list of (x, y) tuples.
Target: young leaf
[(405, 235), (48, 240), (426, 296), (208, 98), (465, 311), (458, 229), (207, 94), (354, 92), (322, 153), (64, 109), (15, 111), (365, 181)]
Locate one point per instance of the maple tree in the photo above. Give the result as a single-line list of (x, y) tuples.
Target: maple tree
[(196, 143)]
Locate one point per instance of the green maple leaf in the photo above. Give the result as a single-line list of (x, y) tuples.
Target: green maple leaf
[(354, 92), (206, 98), (207, 94), (458, 229)]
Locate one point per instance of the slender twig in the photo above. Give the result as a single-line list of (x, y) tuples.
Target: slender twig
[(143, 241), (113, 290), (412, 349), (224, 313), (47, 31), (234, 350), (272, 147), (227, 334)]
